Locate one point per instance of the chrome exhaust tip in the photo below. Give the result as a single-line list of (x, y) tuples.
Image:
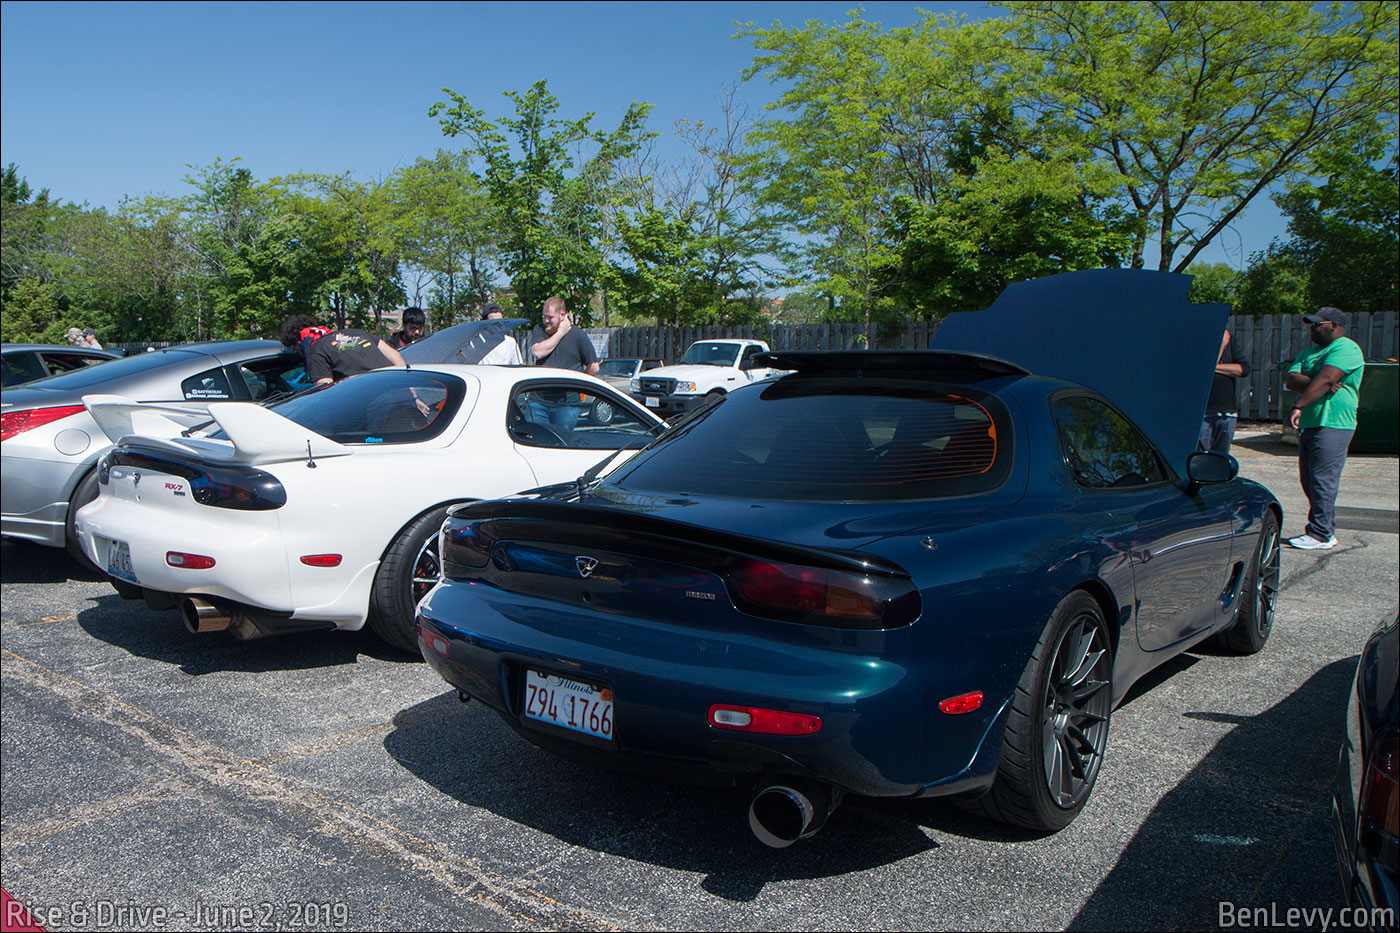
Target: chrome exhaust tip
[(203, 616), (784, 810)]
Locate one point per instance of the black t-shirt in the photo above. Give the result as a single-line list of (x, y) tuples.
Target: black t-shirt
[(1222, 388), (343, 353), (574, 351)]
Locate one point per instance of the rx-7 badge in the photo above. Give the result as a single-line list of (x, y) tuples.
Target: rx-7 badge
[(585, 565)]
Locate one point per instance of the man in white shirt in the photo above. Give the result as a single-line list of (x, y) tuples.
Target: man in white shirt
[(505, 353)]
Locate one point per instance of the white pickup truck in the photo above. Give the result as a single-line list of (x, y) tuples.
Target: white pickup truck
[(709, 368)]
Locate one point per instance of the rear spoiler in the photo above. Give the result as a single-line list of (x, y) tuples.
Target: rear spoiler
[(257, 435)]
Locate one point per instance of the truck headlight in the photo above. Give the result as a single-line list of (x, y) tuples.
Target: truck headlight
[(636, 384), (685, 387)]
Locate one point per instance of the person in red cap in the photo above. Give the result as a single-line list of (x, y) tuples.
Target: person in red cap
[(1327, 378), (331, 355)]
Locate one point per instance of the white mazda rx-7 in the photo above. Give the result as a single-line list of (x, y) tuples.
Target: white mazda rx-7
[(322, 511)]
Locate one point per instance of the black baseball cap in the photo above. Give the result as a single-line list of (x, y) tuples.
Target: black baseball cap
[(491, 308), (1331, 315)]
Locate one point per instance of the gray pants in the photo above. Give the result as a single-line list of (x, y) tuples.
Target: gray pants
[(1322, 452)]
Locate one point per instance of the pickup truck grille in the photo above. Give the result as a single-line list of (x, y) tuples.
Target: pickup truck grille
[(658, 385)]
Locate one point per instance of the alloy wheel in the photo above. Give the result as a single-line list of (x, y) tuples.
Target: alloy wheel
[(1266, 583), (1074, 726), (426, 570)]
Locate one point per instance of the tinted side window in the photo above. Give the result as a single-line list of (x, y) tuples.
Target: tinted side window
[(210, 384), (21, 367), (1103, 449), (574, 418)]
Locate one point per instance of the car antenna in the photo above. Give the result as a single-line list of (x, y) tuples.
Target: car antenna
[(310, 463)]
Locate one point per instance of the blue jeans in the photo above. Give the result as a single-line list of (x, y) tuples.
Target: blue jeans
[(1218, 431), (562, 414), (1322, 452)]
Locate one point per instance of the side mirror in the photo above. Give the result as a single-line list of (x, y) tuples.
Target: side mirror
[(1208, 468)]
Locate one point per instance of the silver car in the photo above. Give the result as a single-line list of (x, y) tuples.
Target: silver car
[(26, 362), (50, 444)]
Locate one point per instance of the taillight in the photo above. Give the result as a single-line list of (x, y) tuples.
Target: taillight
[(763, 721), (1380, 789), (17, 422), (466, 543), (247, 490), (846, 599), (321, 560), (435, 642)]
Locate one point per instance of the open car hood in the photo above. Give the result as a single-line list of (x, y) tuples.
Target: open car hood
[(1128, 334), (254, 434), (461, 343)]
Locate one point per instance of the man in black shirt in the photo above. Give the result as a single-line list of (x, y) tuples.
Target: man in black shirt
[(331, 355), (557, 343), (1222, 405)]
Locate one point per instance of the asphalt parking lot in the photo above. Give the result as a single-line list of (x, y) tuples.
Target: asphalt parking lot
[(154, 779)]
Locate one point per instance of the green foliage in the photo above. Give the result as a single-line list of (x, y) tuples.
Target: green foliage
[(443, 221), (549, 206), (33, 312), (1213, 282), (1199, 107)]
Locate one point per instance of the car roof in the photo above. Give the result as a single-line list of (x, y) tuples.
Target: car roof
[(64, 347)]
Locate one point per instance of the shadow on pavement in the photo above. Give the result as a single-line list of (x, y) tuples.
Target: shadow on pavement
[(695, 829), (25, 562), (1248, 826), (160, 635)]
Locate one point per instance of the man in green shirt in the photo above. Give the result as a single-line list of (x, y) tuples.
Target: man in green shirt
[(1327, 377)]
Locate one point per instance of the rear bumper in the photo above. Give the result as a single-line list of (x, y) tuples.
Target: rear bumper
[(876, 737)]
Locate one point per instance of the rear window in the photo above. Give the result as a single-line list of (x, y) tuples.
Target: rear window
[(834, 439), (382, 407)]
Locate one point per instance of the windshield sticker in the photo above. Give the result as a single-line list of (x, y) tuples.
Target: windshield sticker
[(374, 440)]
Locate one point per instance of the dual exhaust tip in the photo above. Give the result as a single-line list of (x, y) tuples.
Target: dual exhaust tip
[(786, 808)]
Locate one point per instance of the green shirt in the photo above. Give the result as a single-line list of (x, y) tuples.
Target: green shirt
[(1338, 408)]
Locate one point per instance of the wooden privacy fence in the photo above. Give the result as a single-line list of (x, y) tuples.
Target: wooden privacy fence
[(1264, 341)]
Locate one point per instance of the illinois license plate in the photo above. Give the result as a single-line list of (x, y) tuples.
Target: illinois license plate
[(569, 703), (653, 402), (119, 560)]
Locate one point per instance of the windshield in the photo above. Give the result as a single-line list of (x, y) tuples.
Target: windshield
[(90, 376), (711, 354), (833, 439), (617, 367)]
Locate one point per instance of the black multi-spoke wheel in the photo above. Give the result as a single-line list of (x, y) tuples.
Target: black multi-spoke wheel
[(409, 568), (1259, 596), (1074, 713), (1057, 727)]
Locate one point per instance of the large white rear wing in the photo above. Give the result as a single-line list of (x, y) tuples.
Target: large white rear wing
[(254, 434)]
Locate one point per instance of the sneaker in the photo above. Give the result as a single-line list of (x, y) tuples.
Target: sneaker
[(1307, 542)]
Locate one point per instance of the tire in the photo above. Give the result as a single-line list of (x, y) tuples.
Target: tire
[(1258, 598), (409, 569), (1057, 729), (83, 493), (603, 412)]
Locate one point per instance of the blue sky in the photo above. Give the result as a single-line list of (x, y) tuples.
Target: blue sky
[(102, 100)]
